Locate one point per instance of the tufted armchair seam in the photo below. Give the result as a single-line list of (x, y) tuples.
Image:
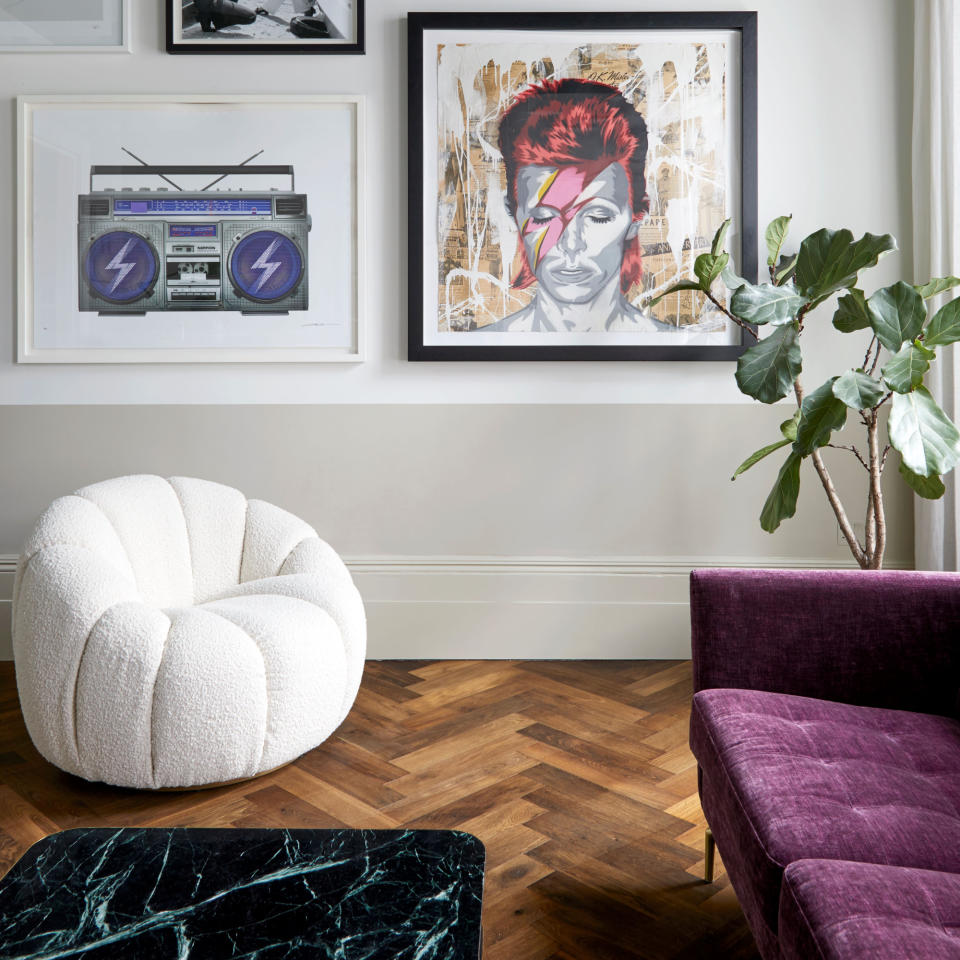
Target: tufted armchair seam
[(113, 527), (153, 704), (186, 530), (243, 547), (76, 682), (266, 686)]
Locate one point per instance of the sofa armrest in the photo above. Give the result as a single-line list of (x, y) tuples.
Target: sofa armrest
[(875, 638)]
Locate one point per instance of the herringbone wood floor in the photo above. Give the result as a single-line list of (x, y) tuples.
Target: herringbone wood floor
[(576, 776)]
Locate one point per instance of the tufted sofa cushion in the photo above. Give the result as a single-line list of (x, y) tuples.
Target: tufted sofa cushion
[(173, 633), (793, 778), (836, 910)]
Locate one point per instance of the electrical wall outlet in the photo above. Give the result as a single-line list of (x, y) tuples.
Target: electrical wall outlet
[(859, 529)]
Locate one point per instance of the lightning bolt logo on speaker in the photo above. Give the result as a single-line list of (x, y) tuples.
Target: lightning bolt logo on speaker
[(120, 265), (268, 267)]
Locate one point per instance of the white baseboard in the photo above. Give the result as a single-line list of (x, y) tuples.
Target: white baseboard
[(601, 608)]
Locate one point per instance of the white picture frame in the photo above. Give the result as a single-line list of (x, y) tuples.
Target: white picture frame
[(196, 300), (63, 26)]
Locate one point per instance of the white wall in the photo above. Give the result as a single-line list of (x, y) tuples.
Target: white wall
[(477, 523), (833, 149)]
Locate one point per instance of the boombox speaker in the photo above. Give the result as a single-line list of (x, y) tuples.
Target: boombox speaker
[(120, 267), (266, 264)]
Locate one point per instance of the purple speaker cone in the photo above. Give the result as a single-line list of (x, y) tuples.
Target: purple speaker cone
[(121, 266), (266, 265)]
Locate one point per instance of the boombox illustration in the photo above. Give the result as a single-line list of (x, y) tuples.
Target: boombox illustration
[(143, 250)]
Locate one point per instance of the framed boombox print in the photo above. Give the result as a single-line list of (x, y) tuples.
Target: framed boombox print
[(566, 171), (180, 229)]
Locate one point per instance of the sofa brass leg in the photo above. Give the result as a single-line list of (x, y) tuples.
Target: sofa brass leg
[(709, 847)]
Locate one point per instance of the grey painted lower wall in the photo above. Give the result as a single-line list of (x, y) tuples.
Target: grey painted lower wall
[(473, 530)]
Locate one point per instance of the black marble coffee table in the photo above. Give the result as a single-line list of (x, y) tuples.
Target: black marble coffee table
[(201, 894)]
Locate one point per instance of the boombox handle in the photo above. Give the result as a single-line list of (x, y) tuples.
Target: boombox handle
[(171, 168)]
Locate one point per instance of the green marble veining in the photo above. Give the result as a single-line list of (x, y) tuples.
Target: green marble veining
[(250, 894)]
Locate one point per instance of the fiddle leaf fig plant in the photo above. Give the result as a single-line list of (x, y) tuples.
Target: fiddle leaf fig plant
[(902, 346)]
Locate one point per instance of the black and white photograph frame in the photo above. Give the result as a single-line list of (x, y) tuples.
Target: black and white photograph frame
[(178, 228), (64, 26), (565, 170), (265, 26)]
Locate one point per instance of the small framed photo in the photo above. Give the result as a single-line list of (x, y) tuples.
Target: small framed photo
[(566, 170), (65, 26), (165, 229), (264, 26)]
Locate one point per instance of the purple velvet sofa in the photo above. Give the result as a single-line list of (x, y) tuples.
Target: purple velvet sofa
[(825, 726)]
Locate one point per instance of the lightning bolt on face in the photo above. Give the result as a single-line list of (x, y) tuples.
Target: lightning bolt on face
[(165, 248)]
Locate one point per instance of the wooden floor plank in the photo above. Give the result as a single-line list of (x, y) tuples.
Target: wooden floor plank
[(576, 775)]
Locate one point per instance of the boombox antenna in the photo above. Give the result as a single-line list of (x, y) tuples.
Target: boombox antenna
[(144, 162), (192, 170), (223, 176)]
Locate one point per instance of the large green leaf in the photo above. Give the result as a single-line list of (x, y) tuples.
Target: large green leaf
[(906, 368), (781, 503), (758, 455), (930, 488), (767, 370), (897, 314), (717, 246), (765, 303), (776, 233), (852, 313), (709, 266), (820, 414), (938, 285), (679, 285), (858, 390), (944, 328), (831, 259), (923, 433)]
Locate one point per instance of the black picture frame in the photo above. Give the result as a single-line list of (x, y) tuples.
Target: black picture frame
[(743, 22), (225, 46)]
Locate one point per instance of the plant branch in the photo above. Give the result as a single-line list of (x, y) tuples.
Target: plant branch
[(852, 449), (876, 360), (726, 312), (866, 356), (832, 496)]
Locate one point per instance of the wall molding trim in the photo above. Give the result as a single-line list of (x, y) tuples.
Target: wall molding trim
[(586, 566), (474, 607)]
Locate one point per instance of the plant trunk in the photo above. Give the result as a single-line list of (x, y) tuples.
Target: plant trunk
[(875, 461), (846, 528)]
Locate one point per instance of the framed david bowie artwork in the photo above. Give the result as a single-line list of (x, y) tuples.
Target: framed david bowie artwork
[(265, 26), (565, 171), (163, 229)]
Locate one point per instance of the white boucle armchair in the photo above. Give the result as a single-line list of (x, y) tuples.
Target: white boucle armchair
[(172, 633)]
